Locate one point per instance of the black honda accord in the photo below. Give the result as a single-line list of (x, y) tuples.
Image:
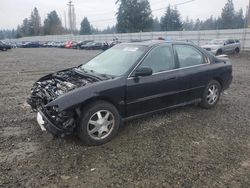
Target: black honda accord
[(127, 81)]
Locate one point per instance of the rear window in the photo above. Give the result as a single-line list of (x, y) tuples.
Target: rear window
[(188, 56)]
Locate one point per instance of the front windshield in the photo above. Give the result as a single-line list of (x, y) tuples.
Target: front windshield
[(115, 61), (217, 41)]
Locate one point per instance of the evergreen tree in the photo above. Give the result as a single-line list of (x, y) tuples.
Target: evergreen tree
[(35, 23), (227, 15), (85, 27), (239, 19), (25, 28), (171, 21), (52, 24), (156, 25), (109, 30), (134, 16), (188, 25)]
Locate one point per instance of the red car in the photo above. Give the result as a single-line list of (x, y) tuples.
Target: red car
[(69, 44)]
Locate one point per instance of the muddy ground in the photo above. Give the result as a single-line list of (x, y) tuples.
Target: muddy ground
[(186, 147)]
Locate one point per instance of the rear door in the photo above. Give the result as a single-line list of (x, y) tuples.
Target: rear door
[(230, 46), (195, 66)]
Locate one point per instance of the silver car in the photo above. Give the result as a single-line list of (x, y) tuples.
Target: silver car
[(223, 46)]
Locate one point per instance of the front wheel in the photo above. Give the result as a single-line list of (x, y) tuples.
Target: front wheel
[(211, 94), (219, 52), (99, 124)]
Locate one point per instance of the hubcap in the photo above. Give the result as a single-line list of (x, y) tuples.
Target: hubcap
[(213, 94), (101, 124)]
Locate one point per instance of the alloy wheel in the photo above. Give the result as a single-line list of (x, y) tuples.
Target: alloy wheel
[(213, 94), (101, 124)]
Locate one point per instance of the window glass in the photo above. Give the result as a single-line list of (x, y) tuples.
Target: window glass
[(230, 41), (188, 56), (159, 59), (116, 61)]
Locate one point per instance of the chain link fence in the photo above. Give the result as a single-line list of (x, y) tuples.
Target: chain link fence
[(197, 37)]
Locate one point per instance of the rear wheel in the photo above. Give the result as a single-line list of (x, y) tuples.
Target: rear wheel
[(211, 94), (99, 124), (237, 50)]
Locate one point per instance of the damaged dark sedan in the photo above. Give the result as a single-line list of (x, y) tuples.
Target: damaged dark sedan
[(127, 81)]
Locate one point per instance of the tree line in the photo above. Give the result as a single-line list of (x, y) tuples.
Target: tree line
[(132, 16)]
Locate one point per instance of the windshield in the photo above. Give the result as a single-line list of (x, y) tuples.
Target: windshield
[(217, 41), (115, 61)]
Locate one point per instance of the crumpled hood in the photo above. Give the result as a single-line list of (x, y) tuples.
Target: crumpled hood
[(50, 87)]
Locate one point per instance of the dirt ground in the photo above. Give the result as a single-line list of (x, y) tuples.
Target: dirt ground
[(186, 147)]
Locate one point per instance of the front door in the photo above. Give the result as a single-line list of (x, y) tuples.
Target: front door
[(159, 90)]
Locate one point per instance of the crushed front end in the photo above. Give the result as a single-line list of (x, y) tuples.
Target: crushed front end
[(49, 88)]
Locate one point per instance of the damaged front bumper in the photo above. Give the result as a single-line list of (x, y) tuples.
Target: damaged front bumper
[(49, 123), (46, 123)]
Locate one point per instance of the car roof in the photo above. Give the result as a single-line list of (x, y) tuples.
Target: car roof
[(151, 43)]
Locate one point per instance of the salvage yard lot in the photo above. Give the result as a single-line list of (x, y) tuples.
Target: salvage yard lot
[(185, 147)]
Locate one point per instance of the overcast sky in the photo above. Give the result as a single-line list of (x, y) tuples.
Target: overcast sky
[(12, 12)]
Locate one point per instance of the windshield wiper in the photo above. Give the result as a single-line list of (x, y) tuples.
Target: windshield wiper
[(83, 71), (103, 75)]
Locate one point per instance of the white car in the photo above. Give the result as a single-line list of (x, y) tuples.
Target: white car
[(223, 46)]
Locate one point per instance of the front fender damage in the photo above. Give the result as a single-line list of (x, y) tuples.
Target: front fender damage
[(48, 95)]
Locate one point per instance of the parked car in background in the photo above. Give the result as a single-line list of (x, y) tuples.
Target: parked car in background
[(31, 45), (69, 44), (79, 44), (223, 46), (4, 46), (127, 81), (95, 46), (85, 46)]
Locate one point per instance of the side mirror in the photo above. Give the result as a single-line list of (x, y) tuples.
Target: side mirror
[(143, 71)]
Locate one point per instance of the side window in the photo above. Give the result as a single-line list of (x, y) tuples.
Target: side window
[(188, 56), (230, 41), (160, 59)]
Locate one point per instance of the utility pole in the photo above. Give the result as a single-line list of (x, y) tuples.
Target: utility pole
[(65, 20), (248, 16), (71, 16)]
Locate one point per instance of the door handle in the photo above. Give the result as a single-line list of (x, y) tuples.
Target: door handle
[(173, 78)]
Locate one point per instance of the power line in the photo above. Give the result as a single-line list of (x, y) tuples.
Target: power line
[(175, 5), (158, 2)]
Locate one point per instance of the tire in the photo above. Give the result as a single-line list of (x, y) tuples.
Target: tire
[(96, 126), (219, 52), (237, 50), (211, 95)]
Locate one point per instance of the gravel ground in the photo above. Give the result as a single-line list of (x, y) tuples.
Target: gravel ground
[(185, 147)]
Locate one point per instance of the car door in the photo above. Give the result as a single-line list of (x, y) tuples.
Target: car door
[(229, 46), (194, 64), (159, 90)]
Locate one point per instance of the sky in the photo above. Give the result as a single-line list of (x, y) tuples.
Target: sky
[(101, 13)]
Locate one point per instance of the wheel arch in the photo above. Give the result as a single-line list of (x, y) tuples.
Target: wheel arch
[(218, 79), (101, 98)]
